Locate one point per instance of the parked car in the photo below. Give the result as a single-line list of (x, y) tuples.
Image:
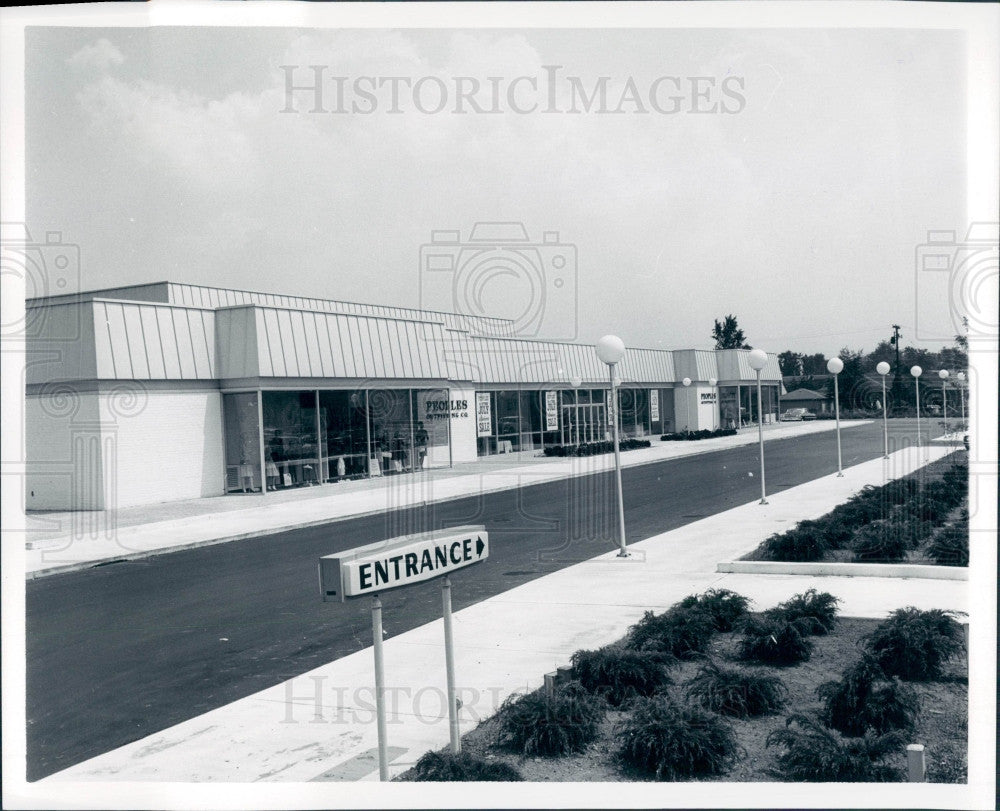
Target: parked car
[(797, 414)]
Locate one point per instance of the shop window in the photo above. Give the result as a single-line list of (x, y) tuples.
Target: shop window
[(432, 410), (242, 429), (343, 435), (391, 417), (291, 445)]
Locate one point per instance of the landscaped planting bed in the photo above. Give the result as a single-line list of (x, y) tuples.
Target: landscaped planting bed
[(920, 519), (596, 448), (839, 702)]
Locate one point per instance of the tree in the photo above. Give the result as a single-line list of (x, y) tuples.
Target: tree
[(814, 364), (790, 363), (728, 334)]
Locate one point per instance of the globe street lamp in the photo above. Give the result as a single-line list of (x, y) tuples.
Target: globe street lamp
[(576, 381), (943, 374), (713, 383), (960, 377), (835, 366), (686, 382), (611, 349), (883, 369), (916, 371), (758, 360)]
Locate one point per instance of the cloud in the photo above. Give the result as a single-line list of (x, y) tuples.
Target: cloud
[(99, 55)]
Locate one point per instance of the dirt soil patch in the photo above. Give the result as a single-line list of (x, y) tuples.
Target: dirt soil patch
[(941, 726)]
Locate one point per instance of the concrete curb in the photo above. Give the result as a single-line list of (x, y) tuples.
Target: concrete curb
[(904, 570)]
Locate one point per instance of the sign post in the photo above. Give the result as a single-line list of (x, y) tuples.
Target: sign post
[(369, 570), (383, 760), (449, 665)]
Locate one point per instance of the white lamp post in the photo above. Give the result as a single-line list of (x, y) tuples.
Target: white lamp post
[(611, 349), (943, 374), (916, 371), (687, 418), (835, 366), (576, 381), (960, 377), (713, 383), (883, 370), (758, 360)]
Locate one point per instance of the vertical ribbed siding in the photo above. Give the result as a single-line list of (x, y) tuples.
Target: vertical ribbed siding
[(134, 341)]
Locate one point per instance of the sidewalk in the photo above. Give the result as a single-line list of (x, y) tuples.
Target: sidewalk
[(320, 726), (65, 541)]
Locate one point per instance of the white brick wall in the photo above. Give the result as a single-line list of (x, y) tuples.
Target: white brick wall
[(162, 446)]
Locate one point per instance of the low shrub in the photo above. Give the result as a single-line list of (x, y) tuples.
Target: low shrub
[(866, 699), (445, 766), (914, 644), (880, 542), (900, 491), (675, 741), (682, 632), (816, 754), (596, 448), (725, 607), (818, 606), (950, 546), (798, 545), (537, 724), (775, 641), (703, 433), (737, 692), (620, 675)]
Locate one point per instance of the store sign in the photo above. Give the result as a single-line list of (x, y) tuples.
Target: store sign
[(708, 397), (654, 404), (484, 416), (400, 562), (551, 411), (440, 409)]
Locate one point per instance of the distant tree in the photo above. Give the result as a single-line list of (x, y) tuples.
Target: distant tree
[(814, 364), (790, 363), (885, 351), (728, 334)]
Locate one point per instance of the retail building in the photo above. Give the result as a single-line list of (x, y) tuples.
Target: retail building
[(168, 391)]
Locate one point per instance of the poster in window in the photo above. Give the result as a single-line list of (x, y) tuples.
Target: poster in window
[(654, 404), (551, 411), (484, 416)]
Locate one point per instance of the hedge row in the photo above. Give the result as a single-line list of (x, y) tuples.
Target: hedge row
[(596, 448), (881, 524), (703, 433)]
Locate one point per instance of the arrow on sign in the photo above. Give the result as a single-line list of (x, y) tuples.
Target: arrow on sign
[(480, 546)]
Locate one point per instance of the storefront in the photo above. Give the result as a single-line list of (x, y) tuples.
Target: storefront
[(234, 391)]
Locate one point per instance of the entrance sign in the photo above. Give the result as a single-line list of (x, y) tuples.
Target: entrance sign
[(551, 411), (377, 567), (368, 570), (484, 417), (654, 404)]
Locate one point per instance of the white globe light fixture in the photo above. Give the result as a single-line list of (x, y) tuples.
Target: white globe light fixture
[(943, 374), (758, 360), (713, 383), (835, 366), (960, 377), (610, 350), (685, 383), (575, 381), (883, 369), (916, 371)]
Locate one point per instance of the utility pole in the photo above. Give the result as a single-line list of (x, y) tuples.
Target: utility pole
[(896, 380)]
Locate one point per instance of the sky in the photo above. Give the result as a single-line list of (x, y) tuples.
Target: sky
[(785, 176)]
